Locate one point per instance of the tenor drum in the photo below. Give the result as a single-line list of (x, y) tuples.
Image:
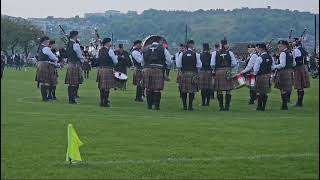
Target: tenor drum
[(120, 76), (239, 81), (251, 81), (154, 38)]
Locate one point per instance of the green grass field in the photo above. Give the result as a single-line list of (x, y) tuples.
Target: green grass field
[(128, 141)]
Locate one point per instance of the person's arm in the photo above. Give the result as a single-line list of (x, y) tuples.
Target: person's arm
[(234, 61), (47, 51), (250, 64), (213, 60), (199, 63), (168, 57), (256, 65), (282, 63), (137, 56), (113, 56), (77, 49), (179, 61)]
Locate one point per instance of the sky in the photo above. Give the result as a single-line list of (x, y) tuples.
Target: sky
[(70, 8)]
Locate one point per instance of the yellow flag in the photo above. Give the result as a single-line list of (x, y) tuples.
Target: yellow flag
[(73, 153)]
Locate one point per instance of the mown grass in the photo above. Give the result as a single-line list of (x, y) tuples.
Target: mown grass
[(128, 141)]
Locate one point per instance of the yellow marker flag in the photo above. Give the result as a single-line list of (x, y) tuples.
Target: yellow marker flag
[(73, 153)]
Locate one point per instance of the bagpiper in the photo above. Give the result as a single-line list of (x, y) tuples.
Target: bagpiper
[(205, 75), (283, 78), (137, 59), (188, 64)]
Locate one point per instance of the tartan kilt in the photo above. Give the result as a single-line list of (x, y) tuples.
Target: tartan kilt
[(44, 73), (263, 83), (205, 80), (301, 77), (137, 77), (53, 75), (153, 79), (86, 66), (221, 83), (187, 82), (105, 78), (120, 84), (283, 80), (74, 74)]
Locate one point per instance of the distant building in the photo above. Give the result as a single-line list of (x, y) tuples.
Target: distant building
[(269, 7), (86, 15), (112, 13)]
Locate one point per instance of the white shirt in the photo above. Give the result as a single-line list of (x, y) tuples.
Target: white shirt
[(137, 55), (251, 63), (47, 51), (77, 49), (233, 59), (113, 56), (168, 57), (282, 63), (179, 60), (257, 63), (177, 55), (297, 53)]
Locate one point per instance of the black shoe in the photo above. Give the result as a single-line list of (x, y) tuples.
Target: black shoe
[(77, 96), (185, 108), (284, 107), (72, 102), (221, 109), (190, 108), (45, 99), (251, 101), (138, 100), (157, 108), (54, 98)]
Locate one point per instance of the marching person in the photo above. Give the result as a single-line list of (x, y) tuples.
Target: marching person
[(54, 73), (249, 69), (74, 75), (124, 62), (45, 73), (283, 79), (137, 59), (3, 62), (216, 48), (262, 70), (188, 64), (205, 75), (86, 67), (105, 77), (176, 56), (222, 61), (154, 59), (301, 75)]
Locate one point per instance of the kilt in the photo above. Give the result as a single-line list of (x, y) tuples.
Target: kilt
[(153, 79), (263, 83), (137, 77), (221, 83), (74, 74), (205, 80), (53, 74), (120, 84), (86, 66), (45, 73), (283, 80), (105, 78), (301, 77), (186, 82)]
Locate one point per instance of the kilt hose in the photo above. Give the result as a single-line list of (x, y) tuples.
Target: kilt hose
[(105, 78), (188, 83), (221, 83), (45, 73), (121, 84), (205, 80), (74, 74), (137, 77), (153, 79), (263, 84), (283, 80), (301, 77)]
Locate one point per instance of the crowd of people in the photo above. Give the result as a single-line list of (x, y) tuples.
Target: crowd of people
[(208, 71)]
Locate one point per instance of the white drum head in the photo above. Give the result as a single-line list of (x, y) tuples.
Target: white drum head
[(120, 75)]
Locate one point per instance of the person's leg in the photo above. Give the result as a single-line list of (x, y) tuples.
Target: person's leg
[(220, 99), (300, 93), (43, 90), (264, 101), (102, 97), (284, 97), (203, 97), (191, 97), (228, 100), (208, 96), (259, 104), (184, 100), (157, 99), (76, 91), (54, 92), (149, 98), (106, 98)]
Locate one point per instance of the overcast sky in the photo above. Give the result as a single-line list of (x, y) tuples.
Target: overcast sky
[(69, 8)]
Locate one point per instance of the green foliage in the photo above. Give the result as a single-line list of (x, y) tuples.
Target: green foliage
[(18, 32)]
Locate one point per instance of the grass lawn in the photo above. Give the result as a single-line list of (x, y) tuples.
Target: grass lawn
[(128, 141)]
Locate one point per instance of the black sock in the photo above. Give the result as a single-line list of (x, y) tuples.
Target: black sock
[(76, 90), (149, 99), (264, 101), (228, 100), (156, 99), (106, 97), (54, 91), (70, 93), (208, 96), (191, 97), (203, 97), (259, 104), (184, 100), (288, 96), (102, 102), (220, 99), (43, 91)]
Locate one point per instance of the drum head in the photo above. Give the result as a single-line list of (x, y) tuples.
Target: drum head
[(120, 76), (153, 38)]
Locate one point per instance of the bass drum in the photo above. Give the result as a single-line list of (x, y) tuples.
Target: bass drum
[(146, 42)]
